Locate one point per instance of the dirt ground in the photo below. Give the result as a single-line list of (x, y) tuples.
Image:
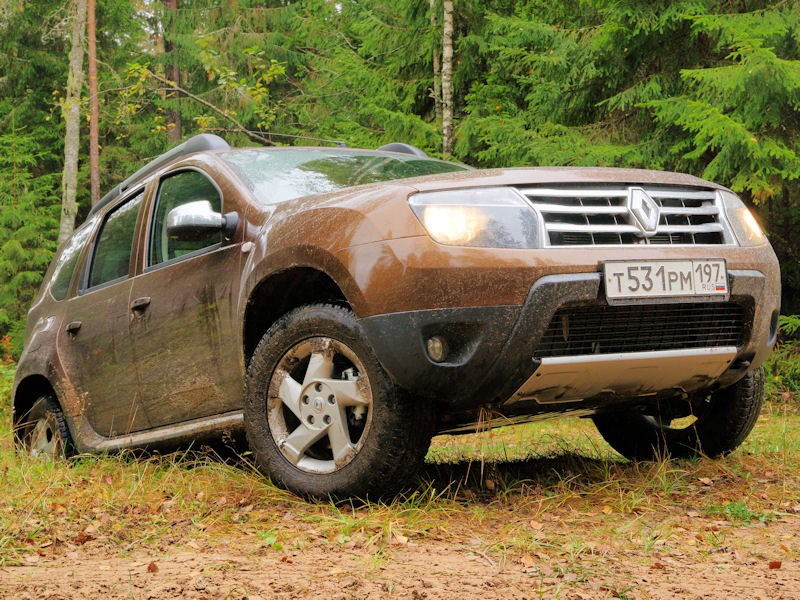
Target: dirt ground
[(757, 561)]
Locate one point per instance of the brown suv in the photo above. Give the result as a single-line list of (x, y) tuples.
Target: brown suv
[(342, 306)]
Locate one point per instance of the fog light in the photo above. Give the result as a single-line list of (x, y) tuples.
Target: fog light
[(437, 348)]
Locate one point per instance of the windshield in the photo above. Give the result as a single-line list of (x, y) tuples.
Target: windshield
[(278, 175)]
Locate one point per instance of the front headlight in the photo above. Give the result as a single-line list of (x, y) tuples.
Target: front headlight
[(479, 217), (745, 227)]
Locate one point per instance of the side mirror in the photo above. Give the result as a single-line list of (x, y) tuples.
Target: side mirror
[(197, 221)]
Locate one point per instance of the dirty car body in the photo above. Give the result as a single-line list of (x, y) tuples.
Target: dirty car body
[(370, 299)]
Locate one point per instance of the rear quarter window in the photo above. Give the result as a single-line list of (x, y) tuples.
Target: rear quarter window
[(66, 261)]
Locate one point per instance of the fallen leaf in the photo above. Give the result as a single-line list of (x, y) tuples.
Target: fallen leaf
[(107, 479), (82, 538), (775, 564), (536, 525), (658, 565), (286, 559), (399, 538), (527, 561), (607, 510), (705, 481), (784, 548), (152, 568), (693, 513)]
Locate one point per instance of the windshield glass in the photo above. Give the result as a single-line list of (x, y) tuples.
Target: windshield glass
[(278, 175)]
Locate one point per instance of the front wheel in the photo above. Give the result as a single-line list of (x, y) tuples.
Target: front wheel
[(322, 417), (714, 426), (42, 431)]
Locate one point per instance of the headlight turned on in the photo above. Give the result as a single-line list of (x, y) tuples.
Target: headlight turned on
[(745, 227), (495, 217)]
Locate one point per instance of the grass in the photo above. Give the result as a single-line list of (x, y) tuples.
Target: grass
[(552, 489)]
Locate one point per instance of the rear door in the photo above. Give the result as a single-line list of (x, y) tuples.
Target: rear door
[(185, 329), (94, 342)]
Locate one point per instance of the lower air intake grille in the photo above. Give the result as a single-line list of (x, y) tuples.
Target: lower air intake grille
[(600, 329)]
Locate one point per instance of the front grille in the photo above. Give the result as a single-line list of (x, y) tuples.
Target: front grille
[(602, 216), (600, 329)]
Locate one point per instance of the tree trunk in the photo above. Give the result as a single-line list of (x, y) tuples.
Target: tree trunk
[(94, 104), (437, 65), (447, 78), (173, 74), (71, 110)]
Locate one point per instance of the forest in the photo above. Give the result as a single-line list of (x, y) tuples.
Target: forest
[(90, 89)]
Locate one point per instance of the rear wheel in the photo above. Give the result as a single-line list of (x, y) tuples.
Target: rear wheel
[(713, 426), (42, 432), (322, 417)]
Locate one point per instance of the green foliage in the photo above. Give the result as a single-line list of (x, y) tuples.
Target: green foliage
[(739, 512), (28, 223), (789, 324), (783, 368), (736, 107), (366, 74), (703, 86), (251, 91)]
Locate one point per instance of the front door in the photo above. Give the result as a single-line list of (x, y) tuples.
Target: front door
[(186, 327)]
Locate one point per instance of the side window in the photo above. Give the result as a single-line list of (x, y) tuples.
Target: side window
[(175, 190), (112, 252), (66, 261)]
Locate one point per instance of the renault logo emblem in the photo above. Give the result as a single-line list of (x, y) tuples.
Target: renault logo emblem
[(644, 210)]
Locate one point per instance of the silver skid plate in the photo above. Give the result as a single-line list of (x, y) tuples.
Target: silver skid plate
[(571, 378)]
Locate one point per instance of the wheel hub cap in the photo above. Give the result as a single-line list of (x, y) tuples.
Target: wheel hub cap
[(319, 405)]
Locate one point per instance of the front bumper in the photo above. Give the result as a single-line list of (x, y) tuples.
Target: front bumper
[(493, 361)]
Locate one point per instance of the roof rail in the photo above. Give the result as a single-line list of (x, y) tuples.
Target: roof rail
[(403, 149), (205, 142)]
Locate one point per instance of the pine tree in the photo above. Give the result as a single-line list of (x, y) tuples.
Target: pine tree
[(28, 222)]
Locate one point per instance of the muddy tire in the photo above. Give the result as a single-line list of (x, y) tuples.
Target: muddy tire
[(722, 422), (322, 417), (42, 432)]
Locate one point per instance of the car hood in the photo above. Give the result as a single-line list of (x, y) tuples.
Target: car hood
[(552, 175)]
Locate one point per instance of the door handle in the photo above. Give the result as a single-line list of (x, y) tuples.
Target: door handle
[(140, 304), (73, 327)]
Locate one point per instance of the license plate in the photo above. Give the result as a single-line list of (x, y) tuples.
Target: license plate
[(666, 278)]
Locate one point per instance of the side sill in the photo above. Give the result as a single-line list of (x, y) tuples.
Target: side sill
[(88, 440)]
